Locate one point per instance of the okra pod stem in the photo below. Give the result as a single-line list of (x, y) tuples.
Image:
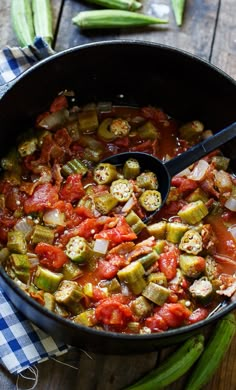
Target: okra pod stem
[(129, 5), (213, 354), (114, 19)]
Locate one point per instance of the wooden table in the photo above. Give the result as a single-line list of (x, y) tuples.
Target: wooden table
[(209, 31)]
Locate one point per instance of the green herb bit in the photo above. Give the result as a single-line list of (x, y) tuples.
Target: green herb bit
[(42, 234), (74, 166), (78, 250), (114, 19), (21, 266), (47, 280), (16, 242)]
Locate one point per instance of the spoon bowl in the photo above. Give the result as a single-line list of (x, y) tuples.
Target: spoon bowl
[(166, 170)]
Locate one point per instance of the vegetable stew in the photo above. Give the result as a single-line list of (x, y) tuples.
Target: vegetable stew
[(72, 234)]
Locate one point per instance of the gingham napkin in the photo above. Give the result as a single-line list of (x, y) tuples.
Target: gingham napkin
[(22, 344)]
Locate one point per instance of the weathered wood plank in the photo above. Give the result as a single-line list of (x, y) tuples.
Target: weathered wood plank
[(224, 49), (195, 35)]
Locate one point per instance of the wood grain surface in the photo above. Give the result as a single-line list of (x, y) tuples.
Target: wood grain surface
[(208, 31)]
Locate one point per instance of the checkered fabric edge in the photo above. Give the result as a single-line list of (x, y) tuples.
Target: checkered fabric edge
[(15, 60)]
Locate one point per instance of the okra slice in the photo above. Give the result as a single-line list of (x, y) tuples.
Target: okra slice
[(131, 272), (105, 202), (191, 242), (148, 259), (86, 318), (47, 280), (191, 265), (121, 189), (156, 293), (21, 266), (120, 127), (78, 249), (134, 326), (221, 163), (131, 168), (74, 166), (159, 247), (104, 132), (147, 180), (158, 278), (71, 271), (16, 242), (42, 234), (158, 229), (28, 147), (136, 224), (202, 290), (191, 131), (150, 200), (141, 307), (69, 295), (49, 301), (197, 194), (137, 286), (88, 121), (147, 131), (193, 212), (104, 173), (175, 231)]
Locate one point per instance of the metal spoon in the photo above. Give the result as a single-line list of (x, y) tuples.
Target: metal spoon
[(166, 170)]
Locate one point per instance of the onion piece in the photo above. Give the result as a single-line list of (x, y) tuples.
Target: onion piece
[(54, 217), (101, 246), (230, 203), (185, 172), (24, 225), (199, 171), (128, 205), (232, 230)]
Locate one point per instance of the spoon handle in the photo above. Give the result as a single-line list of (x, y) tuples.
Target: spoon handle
[(184, 160)]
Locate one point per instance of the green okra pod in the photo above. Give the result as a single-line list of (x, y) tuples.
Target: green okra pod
[(42, 16), (114, 19), (178, 8), (129, 5), (22, 21)]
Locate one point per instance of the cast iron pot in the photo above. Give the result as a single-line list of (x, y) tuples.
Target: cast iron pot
[(123, 72)]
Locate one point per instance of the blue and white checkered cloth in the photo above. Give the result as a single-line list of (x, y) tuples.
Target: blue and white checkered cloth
[(22, 344)]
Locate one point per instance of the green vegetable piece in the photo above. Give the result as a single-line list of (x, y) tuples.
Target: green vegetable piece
[(197, 194), (159, 247), (42, 13), (21, 266), (112, 285), (156, 293), (137, 286), (158, 229), (88, 290), (129, 5), (221, 163), (11, 161), (71, 271), (69, 295), (141, 306), (134, 326), (114, 19), (213, 354), (4, 254), (42, 234), (158, 278), (202, 290), (120, 127), (147, 131), (104, 173), (16, 242), (193, 212), (131, 272), (74, 166), (22, 21), (28, 147), (136, 224), (104, 132), (147, 180), (150, 200), (192, 266), (148, 259), (211, 268), (105, 202), (191, 131), (88, 121), (131, 168), (175, 231), (191, 242), (78, 250), (47, 280), (121, 189), (173, 367), (178, 8), (86, 318), (49, 301)]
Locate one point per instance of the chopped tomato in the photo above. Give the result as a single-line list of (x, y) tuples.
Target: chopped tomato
[(107, 269), (184, 185), (225, 243), (73, 189), (168, 263), (63, 138), (156, 323), (44, 196), (50, 255), (58, 103), (175, 314), (122, 142), (120, 233), (111, 312), (198, 315)]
